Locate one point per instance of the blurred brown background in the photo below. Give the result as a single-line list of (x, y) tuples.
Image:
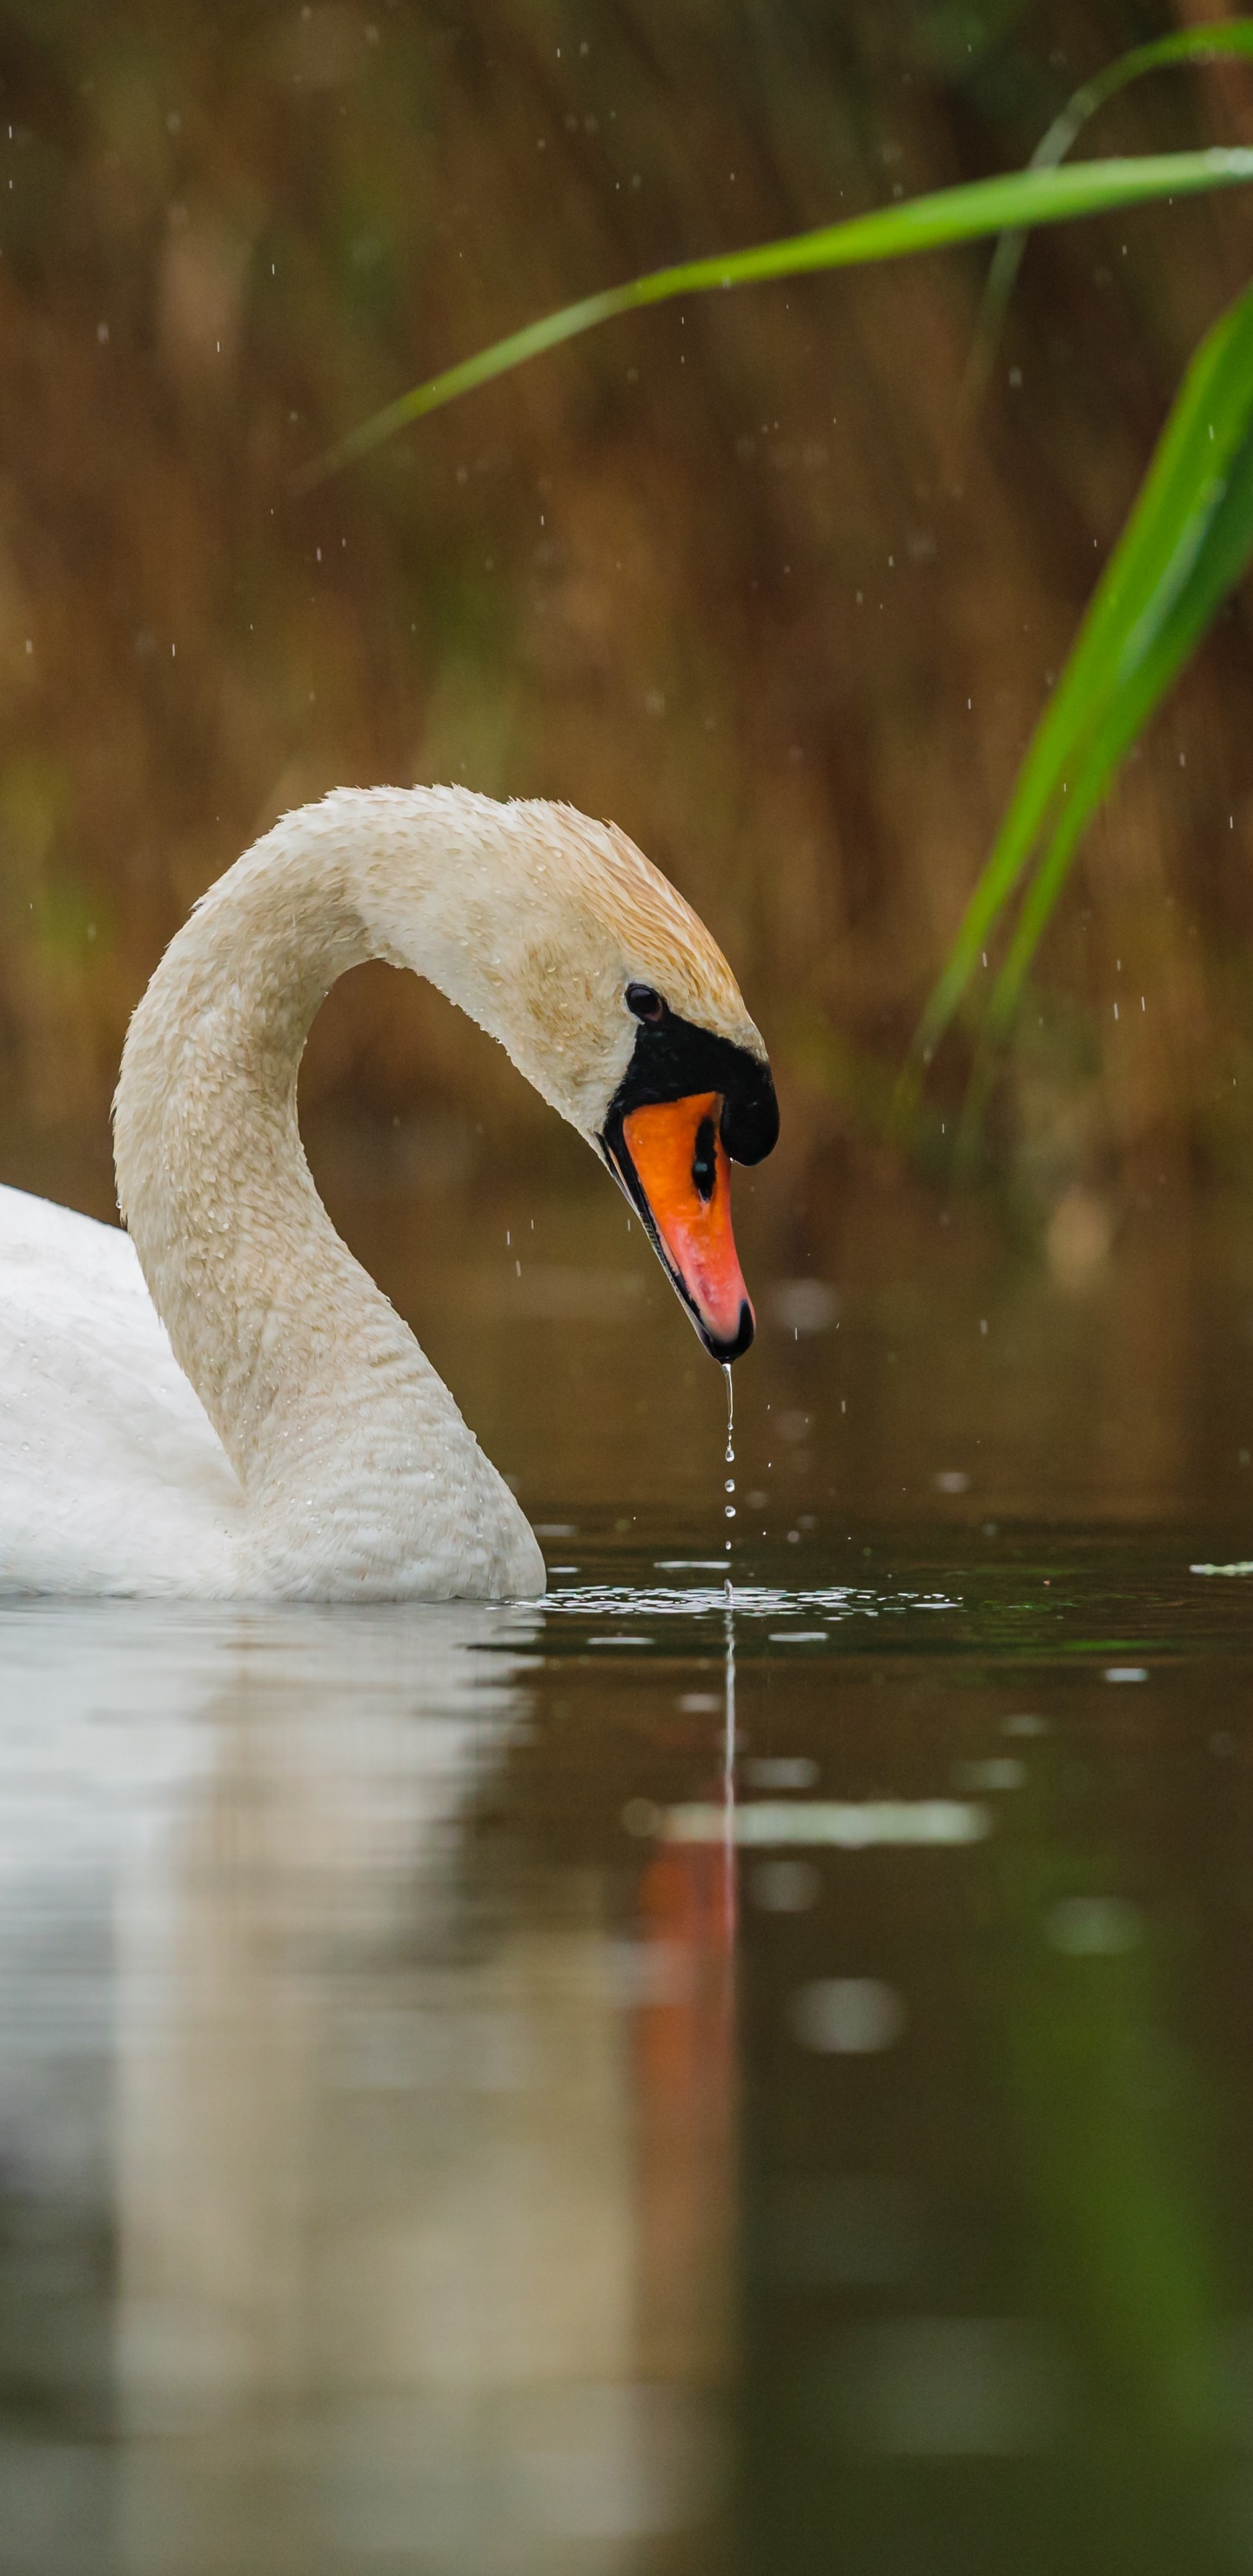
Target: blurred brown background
[(750, 575)]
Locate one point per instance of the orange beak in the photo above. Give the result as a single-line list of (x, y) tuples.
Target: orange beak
[(679, 1177)]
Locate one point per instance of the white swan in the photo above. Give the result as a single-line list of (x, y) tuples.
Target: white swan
[(257, 1421)]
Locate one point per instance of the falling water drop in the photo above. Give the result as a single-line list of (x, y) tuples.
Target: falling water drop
[(729, 1486)]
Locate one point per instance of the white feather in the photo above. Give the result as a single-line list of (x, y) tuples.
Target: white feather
[(112, 1478)]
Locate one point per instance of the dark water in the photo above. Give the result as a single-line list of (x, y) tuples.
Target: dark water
[(641, 2085)]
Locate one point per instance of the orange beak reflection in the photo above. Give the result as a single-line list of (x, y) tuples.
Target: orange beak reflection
[(682, 1185)]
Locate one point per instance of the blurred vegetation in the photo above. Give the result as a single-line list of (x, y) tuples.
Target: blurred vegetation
[(749, 573)]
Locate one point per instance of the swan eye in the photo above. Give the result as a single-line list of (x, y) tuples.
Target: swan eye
[(647, 1005)]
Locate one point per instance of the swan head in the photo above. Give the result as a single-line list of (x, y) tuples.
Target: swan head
[(612, 997)]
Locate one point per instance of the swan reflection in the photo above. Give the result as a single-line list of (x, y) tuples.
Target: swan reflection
[(335, 2143)]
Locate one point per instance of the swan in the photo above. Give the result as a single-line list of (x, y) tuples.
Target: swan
[(219, 1403)]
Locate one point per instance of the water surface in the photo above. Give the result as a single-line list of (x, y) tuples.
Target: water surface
[(651, 2082)]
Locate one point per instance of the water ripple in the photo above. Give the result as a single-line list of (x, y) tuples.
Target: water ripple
[(746, 1600)]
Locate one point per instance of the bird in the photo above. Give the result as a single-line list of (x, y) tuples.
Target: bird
[(219, 1403)]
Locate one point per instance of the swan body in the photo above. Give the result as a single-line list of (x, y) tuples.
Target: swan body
[(221, 1403), (110, 1469)]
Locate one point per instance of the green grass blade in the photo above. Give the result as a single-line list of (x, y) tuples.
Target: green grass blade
[(1204, 44), (1157, 566), (1218, 565), (1221, 559), (935, 222)]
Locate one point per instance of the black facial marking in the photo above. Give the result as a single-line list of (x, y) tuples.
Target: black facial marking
[(672, 1059), (704, 1162)]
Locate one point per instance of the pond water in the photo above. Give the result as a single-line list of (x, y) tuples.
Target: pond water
[(669, 2079)]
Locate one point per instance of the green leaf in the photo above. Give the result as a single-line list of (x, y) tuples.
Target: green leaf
[(935, 222), (1185, 545), (1220, 564), (1204, 44), (1220, 560)]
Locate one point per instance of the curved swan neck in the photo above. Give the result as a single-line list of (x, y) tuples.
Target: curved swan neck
[(306, 1371)]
